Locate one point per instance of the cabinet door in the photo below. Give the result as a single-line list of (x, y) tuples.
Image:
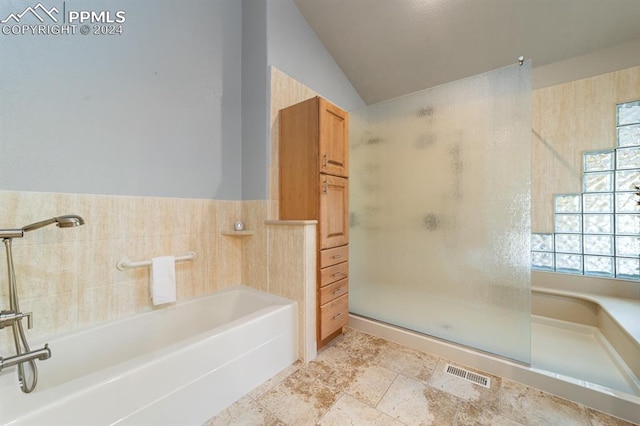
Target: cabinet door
[(334, 137), (334, 211)]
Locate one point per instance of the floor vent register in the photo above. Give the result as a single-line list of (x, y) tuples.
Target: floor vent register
[(467, 375)]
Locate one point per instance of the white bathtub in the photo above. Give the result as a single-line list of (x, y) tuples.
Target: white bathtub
[(177, 365)]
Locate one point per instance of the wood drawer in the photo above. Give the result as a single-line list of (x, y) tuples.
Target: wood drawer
[(334, 273), (334, 315), (330, 257), (332, 291)]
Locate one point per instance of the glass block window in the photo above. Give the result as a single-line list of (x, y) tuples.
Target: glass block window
[(629, 135), (569, 243), (542, 261), (626, 202), (542, 242), (627, 224), (627, 268), (628, 113), (598, 161), (628, 158), (598, 223), (599, 266), (626, 180), (568, 203), (627, 246), (571, 263), (597, 233), (597, 203), (568, 223), (598, 182), (598, 244)]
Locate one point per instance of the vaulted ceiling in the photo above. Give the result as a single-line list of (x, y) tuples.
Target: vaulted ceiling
[(388, 48)]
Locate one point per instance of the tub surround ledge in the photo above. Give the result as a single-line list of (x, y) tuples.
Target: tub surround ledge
[(625, 312)]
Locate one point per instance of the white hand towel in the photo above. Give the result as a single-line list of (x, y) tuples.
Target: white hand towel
[(163, 279)]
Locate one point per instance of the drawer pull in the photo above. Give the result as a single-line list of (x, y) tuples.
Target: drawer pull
[(338, 290), (337, 256), (337, 316), (337, 274)]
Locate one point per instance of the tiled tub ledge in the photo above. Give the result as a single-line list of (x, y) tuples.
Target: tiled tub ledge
[(615, 317), (290, 222)]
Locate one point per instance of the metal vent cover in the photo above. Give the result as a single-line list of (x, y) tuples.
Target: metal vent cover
[(467, 375)]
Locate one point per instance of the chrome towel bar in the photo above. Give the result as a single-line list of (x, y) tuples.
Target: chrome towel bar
[(124, 264)]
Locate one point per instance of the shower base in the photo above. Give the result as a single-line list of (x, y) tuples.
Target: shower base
[(579, 351)]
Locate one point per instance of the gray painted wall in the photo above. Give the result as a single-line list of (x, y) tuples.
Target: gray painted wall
[(293, 47), (155, 111), (176, 106), (255, 100)]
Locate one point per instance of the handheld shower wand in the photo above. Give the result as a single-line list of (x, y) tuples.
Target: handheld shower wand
[(65, 221), (14, 317)]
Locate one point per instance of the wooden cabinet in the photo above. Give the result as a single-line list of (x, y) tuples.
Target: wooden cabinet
[(314, 184)]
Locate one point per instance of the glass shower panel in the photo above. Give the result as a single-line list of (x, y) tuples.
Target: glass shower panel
[(440, 212)]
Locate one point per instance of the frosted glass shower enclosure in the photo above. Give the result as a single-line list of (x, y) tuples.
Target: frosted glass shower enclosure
[(440, 212)]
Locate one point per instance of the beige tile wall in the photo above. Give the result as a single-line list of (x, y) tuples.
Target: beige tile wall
[(567, 120), (68, 277), (254, 248), (292, 274)]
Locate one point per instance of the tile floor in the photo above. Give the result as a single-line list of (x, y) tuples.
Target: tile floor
[(364, 380)]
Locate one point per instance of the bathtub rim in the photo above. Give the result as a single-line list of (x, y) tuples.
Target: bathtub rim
[(41, 340), (616, 403)]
